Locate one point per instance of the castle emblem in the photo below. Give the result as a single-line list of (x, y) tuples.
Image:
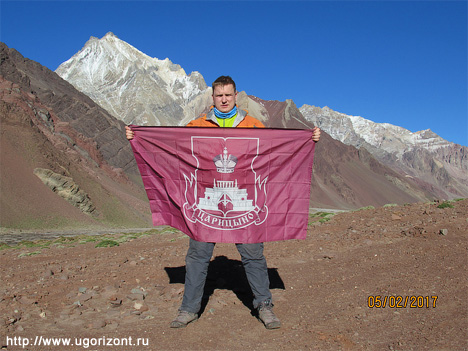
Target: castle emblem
[(225, 196)]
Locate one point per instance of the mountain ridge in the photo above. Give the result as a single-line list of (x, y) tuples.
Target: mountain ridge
[(422, 154)]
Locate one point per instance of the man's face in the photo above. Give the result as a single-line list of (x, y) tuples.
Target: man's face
[(224, 97)]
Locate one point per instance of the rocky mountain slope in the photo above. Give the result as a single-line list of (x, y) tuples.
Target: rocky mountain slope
[(422, 155), (64, 160)]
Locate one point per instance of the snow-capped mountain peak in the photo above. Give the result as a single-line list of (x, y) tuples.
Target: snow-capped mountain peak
[(131, 85)]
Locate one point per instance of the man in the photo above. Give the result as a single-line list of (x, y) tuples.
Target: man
[(225, 114)]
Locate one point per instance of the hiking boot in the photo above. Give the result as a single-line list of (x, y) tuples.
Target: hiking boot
[(266, 315), (183, 318)]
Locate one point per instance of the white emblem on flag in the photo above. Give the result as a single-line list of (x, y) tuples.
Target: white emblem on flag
[(226, 205)]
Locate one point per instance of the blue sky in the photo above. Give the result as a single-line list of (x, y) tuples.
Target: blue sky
[(399, 62)]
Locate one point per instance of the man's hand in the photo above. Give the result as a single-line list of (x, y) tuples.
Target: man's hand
[(130, 134), (316, 134)]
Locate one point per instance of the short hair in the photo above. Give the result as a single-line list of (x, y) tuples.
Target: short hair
[(222, 81)]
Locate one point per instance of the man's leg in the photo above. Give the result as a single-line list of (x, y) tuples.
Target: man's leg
[(257, 274), (196, 269), (256, 269)]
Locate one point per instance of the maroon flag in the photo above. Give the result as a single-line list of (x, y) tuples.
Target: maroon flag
[(231, 185)]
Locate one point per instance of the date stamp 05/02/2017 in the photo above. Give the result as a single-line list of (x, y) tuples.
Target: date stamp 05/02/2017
[(399, 301)]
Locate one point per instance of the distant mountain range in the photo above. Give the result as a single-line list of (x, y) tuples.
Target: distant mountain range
[(147, 91), (54, 133), (423, 155)]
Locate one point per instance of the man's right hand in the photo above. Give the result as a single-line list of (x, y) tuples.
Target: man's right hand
[(129, 133)]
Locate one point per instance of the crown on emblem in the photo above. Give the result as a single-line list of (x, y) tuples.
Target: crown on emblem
[(225, 163)]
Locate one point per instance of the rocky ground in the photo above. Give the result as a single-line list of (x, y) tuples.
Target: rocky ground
[(392, 278)]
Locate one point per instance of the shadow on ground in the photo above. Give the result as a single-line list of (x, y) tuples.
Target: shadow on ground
[(228, 274)]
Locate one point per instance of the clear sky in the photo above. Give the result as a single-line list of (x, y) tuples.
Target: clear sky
[(400, 62)]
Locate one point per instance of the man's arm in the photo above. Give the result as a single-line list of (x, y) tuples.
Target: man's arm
[(130, 134)]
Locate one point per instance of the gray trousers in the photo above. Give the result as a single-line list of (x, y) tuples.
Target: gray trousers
[(196, 266)]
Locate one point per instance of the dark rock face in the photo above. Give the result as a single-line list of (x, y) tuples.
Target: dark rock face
[(445, 168)]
